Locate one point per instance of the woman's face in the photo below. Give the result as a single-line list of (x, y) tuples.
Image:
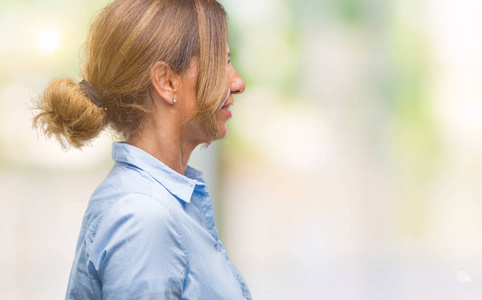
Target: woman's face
[(234, 85), (187, 94)]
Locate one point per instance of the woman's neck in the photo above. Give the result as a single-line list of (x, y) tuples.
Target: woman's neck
[(166, 142)]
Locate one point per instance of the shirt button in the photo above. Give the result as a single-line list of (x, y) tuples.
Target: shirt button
[(245, 295), (218, 246)]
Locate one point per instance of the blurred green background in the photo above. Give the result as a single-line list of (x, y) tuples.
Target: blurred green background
[(352, 167)]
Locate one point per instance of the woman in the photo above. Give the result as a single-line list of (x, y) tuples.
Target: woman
[(158, 72)]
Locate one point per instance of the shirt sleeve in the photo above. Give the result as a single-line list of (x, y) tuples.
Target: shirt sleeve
[(137, 252)]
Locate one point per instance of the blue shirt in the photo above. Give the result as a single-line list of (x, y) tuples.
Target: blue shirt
[(149, 233)]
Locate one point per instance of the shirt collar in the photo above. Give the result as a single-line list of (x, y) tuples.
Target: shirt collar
[(181, 186)]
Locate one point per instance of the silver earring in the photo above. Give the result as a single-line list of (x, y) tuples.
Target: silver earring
[(174, 99)]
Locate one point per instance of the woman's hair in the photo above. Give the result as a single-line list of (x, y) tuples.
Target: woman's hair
[(124, 42)]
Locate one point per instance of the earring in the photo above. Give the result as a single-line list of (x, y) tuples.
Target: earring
[(174, 99)]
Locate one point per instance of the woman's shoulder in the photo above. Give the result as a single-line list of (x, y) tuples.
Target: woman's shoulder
[(138, 208), (128, 192), (130, 233)]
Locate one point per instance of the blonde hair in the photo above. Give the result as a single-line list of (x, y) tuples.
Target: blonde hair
[(124, 42)]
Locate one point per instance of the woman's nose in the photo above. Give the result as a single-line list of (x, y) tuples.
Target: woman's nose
[(237, 83)]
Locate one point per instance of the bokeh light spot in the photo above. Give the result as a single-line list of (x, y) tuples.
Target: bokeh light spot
[(48, 40)]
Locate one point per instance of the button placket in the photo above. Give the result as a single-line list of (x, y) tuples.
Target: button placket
[(208, 215)]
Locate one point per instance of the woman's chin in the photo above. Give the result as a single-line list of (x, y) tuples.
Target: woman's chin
[(222, 132)]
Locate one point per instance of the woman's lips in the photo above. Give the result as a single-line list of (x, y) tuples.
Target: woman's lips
[(225, 108), (228, 112)]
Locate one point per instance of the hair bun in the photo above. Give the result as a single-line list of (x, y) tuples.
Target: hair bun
[(68, 114)]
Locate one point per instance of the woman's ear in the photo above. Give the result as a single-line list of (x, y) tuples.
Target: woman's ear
[(164, 81)]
